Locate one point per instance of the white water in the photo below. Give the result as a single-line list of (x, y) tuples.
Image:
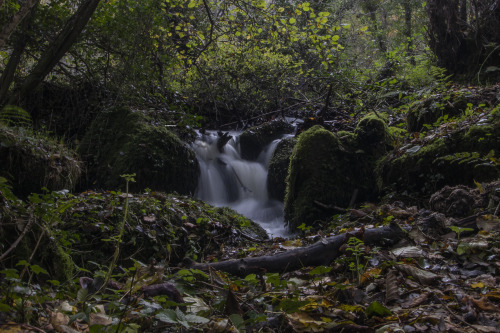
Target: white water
[(226, 180)]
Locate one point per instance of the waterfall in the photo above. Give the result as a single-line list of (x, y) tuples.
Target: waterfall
[(227, 180)]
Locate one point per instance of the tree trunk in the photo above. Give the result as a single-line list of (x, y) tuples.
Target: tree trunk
[(323, 252), (57, 49), (14, 21), (15, 57), (408, 30)]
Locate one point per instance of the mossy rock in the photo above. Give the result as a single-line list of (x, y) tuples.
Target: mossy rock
[(33, 161), (323, 173), (430, 110), (253, 140), (372, 135), (460, 158), (278, 168), (120, 141), (347, 139)]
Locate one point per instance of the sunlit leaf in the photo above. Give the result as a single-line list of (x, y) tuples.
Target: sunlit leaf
[(377, 309)]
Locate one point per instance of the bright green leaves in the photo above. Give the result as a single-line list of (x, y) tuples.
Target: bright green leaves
[(193, 4), (292, 20), (377, 309)]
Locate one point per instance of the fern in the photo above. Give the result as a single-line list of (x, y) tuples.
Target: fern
[(14, 116)]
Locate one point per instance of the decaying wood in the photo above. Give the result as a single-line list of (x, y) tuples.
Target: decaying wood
[(322, 252)]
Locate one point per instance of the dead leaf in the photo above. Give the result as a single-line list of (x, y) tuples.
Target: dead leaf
[(408, 252), (485, 305), (149, 219), (57, 319), (11, 327), (416, 301), (422, 276), (302, 322), (391, 287), (232, 304), (100, 319)]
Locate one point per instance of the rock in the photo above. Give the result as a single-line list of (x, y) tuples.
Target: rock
[(253, 140), (428, 111), (372, 135), (121, 141), (458, 158), (33, 161), (457, 201), (329, 171), (278, 169)]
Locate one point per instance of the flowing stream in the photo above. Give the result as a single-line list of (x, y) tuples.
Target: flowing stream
[(228, 180)]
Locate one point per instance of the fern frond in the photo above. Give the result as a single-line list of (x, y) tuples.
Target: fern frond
[(14, 116)]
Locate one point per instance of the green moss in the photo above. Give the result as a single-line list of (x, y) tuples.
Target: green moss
[(372, 135), (61, 261), (460, 158), (348, 139), (124, 142), (318, 171), (33, 161), (278, 168)]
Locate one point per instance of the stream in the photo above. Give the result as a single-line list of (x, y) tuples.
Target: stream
[(227, 180)]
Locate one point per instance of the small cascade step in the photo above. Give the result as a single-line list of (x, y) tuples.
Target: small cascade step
[(227, 180)]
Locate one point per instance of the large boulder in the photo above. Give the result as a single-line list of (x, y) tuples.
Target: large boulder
[(253, 140), (121, 141), (278, 169), (33, 161)]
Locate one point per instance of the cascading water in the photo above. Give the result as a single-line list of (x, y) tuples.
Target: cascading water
[(228, 180)]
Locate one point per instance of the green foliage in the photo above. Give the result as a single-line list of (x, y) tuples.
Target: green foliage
[(459, 230), (357, 257), (15, 116)]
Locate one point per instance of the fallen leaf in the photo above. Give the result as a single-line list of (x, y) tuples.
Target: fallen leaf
[(485, 305)]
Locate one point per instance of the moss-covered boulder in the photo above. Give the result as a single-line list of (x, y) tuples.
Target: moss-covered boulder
[(32, 161), (323, 174), (372, 136), (460, 157), (278, 168), (121, 141), (428, 111), (253, 140)]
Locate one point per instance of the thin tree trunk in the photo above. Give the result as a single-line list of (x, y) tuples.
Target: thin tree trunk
[(14, 21), (15, 57), (57, 49), (463, 12), (409, 30)]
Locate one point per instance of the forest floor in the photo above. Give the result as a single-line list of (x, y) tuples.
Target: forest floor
[(440, 274)]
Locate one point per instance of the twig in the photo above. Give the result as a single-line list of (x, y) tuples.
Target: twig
[(497, 209), (454, 315), (21, 236), (329, 207)]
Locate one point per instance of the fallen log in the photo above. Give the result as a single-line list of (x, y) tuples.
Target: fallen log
[(323, 252)]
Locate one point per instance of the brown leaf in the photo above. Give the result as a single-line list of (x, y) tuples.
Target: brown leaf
[(232, 304), (422, 276), (391, 287), (416, 301), (485, 305)]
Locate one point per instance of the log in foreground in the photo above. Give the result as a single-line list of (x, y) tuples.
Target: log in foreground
[(323, 252)]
